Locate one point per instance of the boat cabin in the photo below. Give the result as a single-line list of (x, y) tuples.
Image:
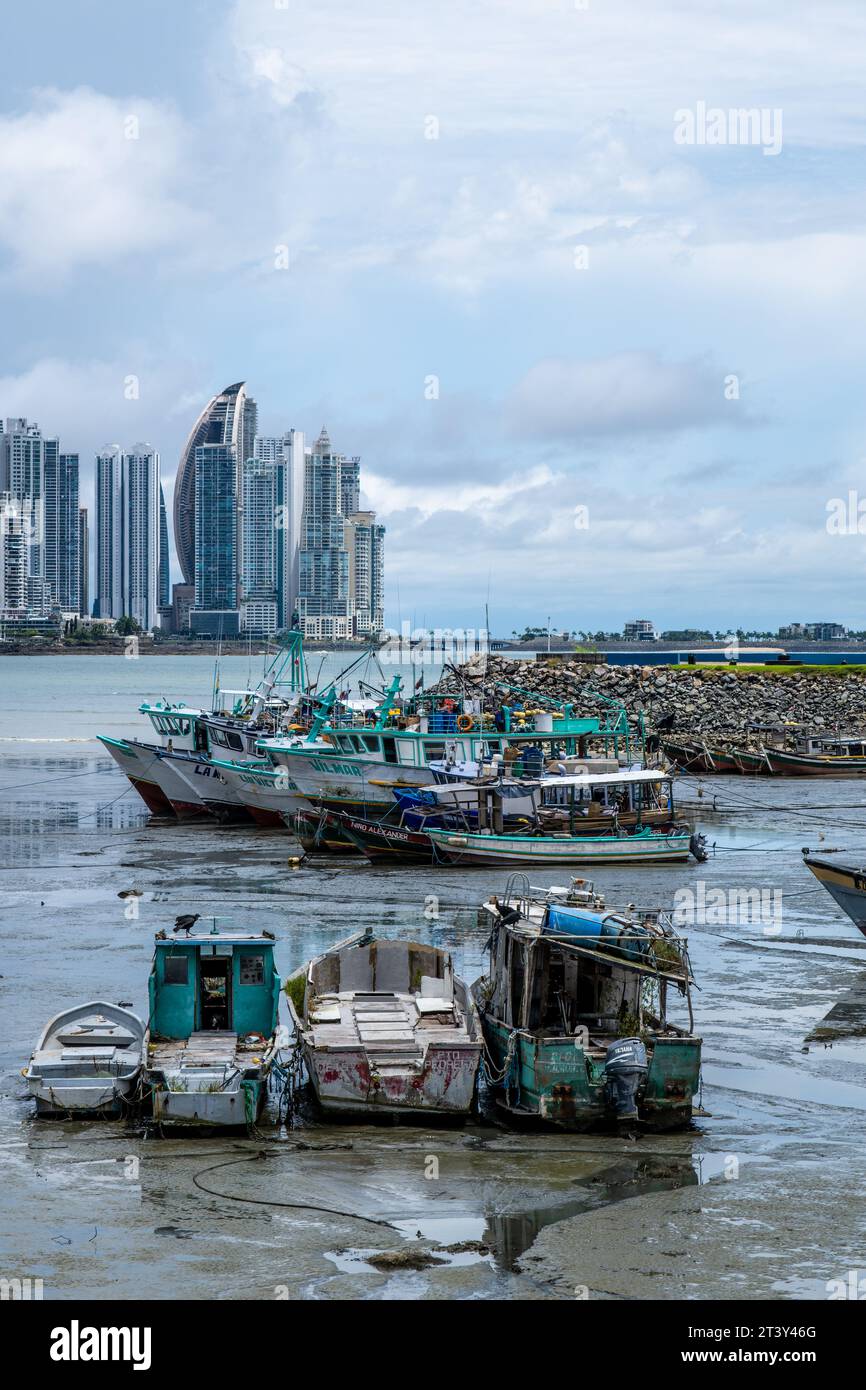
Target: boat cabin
[(832, 746), (213, 982)]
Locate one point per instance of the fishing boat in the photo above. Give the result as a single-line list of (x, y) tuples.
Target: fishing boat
[(809, 754), (214, 1025), (386, 1028), (573, 826), (821, 755), (362, 767), (575, 1011), (846, 884), (87, 1060), (183, 769)]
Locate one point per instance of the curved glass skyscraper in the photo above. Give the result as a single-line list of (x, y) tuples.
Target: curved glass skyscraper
[(228, 419)]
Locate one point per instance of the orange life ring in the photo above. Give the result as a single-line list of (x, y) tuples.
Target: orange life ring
[(465, 722)]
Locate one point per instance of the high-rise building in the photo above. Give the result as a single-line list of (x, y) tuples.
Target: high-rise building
[(217, 518), (83, 562), (324, 601), (22, 479), (62, 541), (365, 543), (109, 534), (228, 419), (164, 558), (341, 560), (140, 501), (13, 555), (127, 532), (273, 502)]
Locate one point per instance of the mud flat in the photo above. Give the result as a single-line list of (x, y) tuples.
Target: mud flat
[(762, 1234)]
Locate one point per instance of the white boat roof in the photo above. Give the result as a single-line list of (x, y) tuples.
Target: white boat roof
[(605, 779), (593, 779), (198, 938)]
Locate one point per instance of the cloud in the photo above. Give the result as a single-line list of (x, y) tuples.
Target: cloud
[(87, 179), (628, 393)]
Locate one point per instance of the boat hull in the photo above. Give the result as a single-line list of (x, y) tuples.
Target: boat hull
[(467, 848), (92, 1097), (382, 842), (238, 1109), (344, 1082), (551, 1080), (805, 765), (207, 790), (845, 884), (138, 762), (266, 794)]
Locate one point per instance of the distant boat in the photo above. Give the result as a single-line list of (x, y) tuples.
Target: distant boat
[(386, 1027), (575, 1011), (88, 1059), (813, 755), (846, 884), (214, 1030)]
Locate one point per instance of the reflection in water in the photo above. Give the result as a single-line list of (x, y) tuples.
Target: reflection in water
[(511, 1233)]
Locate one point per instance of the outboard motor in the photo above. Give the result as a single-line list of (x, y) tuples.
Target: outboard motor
[(698, 848), (625, 1070)]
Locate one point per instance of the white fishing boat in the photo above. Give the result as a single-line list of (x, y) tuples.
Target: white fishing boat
[(386, 1027), (87, 1060), (182, 771)]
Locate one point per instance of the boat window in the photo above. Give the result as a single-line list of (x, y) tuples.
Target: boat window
[(235, 741), (434, 750), (372, 743), (252, 970), (217, 736), (176, 970), (389, 750), (183, 726)]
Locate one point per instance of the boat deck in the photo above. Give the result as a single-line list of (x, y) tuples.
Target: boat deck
[(209, 1051), (394, 1029)]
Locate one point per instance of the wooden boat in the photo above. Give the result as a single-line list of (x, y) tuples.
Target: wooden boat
[(87, 1060), (846, 884), (813, 755), (317, 833), (380, 840), (574, 1011), (387, 1028), (821, 756), (214, 1030), (572, 826)]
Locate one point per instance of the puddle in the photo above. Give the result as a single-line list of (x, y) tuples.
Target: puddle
[(781, 1083)]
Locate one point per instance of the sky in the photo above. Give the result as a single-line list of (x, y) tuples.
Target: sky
[(595, 369)]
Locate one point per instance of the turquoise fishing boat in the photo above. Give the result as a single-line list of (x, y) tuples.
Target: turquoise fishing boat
[(576, 1012), (214, 1026)]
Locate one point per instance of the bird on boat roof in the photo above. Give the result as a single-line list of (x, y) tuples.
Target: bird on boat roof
[(186, 922), (268, 934)]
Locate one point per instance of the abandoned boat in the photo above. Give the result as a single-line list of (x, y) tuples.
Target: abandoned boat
[(386, 1027), (88, 1059), (846, 884), (575, 1011), (214, 1027)]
